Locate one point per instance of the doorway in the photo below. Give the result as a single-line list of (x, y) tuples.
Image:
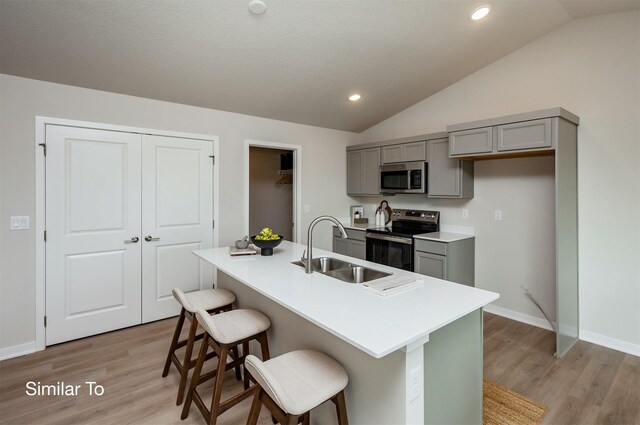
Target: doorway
[(272, 188)]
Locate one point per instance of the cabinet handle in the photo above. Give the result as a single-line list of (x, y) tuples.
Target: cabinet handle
[(134, 239), (148, 238)]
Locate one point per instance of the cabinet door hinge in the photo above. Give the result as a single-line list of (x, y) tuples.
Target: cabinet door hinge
[(45, 321), (45, 235), (213, 158), (44, 148)]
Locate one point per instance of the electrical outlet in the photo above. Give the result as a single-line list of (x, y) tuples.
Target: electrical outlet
[(465, 213), (497, 215), (415, 384)]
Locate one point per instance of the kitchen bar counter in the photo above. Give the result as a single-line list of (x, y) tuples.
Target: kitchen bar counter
[(430, 335), (374, 324)]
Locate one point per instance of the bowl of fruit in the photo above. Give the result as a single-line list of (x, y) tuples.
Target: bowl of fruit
[(266, 240)]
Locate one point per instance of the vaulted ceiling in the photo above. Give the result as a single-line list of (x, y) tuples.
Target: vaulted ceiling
[(296, 62)]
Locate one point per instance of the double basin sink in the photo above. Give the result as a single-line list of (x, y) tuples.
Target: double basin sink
[(342, 270)]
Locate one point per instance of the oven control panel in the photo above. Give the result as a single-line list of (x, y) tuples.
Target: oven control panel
[(416, 215)]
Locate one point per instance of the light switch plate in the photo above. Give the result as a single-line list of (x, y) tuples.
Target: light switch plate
[(19, 222)]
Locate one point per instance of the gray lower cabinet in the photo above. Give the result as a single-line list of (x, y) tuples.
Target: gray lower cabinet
[(354, 246), (363, 167), (448, 177), (453, 261)]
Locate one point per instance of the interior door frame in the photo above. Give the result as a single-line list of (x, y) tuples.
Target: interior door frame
[(297, 183), (40, 214)]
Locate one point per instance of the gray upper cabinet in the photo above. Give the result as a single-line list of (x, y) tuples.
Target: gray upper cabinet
[(414, 151), (476, 140), (362, 171), (524, 135), (448, 178), (529, 134), (554, 132)]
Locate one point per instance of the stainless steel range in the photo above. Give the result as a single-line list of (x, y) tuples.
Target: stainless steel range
[(393, 245)]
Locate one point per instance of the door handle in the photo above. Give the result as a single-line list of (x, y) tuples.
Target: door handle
[(148, 238), (134, 239)]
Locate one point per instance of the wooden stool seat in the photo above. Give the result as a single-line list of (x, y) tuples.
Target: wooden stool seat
[(210, 300), (294, 383), (224, 333), (207, 299)]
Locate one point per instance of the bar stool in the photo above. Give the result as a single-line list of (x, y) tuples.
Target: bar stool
[(211, 300), (224, 332), (294, 383)]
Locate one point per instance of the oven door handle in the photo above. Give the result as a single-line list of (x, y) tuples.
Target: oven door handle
[(406, 241)]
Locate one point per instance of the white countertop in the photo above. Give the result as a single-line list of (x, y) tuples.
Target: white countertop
[(374, 324), (443, 236), (359, 226)]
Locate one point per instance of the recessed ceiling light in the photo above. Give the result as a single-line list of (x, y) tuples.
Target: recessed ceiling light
[(355, 97), (480, 12), (257, 7)]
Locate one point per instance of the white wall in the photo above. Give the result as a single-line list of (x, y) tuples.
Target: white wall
[(23, 99), (591, 67), (270, 203)]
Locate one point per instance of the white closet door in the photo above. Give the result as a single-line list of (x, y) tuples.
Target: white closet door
[(93, 211), (177, 205)]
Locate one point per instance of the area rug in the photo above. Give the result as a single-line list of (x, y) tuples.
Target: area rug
[(505, 407)]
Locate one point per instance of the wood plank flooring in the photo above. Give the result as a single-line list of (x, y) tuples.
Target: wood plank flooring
[(591, 385)]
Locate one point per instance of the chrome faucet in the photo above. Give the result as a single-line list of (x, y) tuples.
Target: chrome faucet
[(308, 262)]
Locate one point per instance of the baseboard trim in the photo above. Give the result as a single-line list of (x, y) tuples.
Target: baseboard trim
[(613, 343), (17, 350), (592, 337), (518, 317)]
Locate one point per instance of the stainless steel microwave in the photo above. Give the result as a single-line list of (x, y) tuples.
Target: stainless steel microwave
[(404, 177)]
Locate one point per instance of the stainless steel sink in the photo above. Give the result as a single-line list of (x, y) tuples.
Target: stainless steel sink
[(357, 274), (344, 271), (324, 264)]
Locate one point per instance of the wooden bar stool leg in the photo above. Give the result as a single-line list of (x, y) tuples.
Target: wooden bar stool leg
[(254, 413), (217, 389), (174, 342), (245, 374), (306, 419), (264, 346), (291, 419), (195, 379), (341, 408), (186, 363), (234, 351)]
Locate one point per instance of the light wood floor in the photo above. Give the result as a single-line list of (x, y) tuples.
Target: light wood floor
[(592, 385)]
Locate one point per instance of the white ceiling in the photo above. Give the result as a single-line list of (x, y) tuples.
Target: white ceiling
[(297, 62)]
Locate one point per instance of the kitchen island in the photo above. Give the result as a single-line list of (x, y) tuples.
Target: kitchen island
[(412, 357)]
